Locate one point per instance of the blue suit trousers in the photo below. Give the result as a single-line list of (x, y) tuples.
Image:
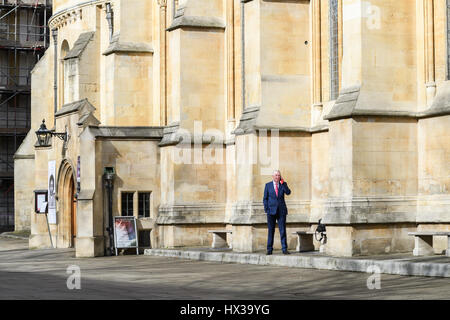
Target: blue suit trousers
[(271, 221)]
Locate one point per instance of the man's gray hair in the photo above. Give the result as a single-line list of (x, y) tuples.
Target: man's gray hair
[(275, 171)]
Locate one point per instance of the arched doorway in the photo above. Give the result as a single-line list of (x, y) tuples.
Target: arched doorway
[(67, 227)]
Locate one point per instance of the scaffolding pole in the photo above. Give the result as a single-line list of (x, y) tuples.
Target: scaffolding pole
[(20, 38)]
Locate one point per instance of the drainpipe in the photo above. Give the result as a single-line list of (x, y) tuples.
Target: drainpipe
[(110, 19), (108, 179), (55, 77), (243, 51)]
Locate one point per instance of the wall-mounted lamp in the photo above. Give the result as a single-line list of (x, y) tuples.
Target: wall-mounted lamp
[(44, 135)]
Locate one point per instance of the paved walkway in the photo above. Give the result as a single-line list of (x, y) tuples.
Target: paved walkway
[(401, 264), (41, 274)]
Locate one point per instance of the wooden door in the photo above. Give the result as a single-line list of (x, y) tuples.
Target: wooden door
[(73, 214)]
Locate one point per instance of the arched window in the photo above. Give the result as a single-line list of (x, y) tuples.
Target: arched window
[(62, 85), (334, 49)]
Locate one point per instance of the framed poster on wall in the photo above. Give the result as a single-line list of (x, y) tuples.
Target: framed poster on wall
[(40, 201), (125, 233), (52, 192)]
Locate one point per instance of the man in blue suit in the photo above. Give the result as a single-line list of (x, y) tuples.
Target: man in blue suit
[(276, 209)]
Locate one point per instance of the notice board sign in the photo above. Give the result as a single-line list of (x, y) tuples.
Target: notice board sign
[(40, 201), (125, 233)]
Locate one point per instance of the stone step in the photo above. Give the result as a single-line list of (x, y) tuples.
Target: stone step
[(405, 266)]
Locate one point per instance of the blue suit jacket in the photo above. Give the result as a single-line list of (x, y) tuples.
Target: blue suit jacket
[(272, 202)]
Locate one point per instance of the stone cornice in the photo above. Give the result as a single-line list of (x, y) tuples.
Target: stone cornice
[(315, 129), (247, 124), (124, 133), (75, 106), (22, 157), (71, 14), (346, 106), (80, 45), (173, 135), (197, 22), (65, 18), (391, 114), (370, 210), (117, 46), (247, 121), (191, 213)]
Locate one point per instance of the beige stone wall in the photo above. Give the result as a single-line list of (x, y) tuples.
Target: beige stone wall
[(434, 151), (128, 93), (253, 171), (24, 183), (387, 72), (23, 174), (379, 239), (122, 90), (137, 165), (341, 159), (39, 233), (192, 191), (373, 173), (173, 236), (440, 21), (320, 146), (202, 85), (370, 239), (134, 20), (277, 54), (340, 241), (285, 70), (434, 166), (384, 157), (42, 92), (202, 8), (77, 78), (88, 75)]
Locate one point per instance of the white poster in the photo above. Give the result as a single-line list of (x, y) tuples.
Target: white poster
[(51, 192), (125, 232), (41, 203)]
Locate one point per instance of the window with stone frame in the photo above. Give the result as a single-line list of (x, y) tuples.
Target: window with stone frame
[(144, 204), (334, 48), (127, 204)]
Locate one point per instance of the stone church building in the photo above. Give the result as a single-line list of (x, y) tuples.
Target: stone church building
[(187, 107)]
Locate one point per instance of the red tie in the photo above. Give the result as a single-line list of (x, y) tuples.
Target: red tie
[(276, 188)]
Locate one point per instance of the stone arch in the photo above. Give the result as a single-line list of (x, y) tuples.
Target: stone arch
[(62, 85), (66, 189)]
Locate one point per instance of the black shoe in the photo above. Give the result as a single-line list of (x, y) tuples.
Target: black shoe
[(286, 252), (268, 253)]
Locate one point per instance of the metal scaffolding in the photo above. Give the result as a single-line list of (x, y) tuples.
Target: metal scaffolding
[(24, 37)]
